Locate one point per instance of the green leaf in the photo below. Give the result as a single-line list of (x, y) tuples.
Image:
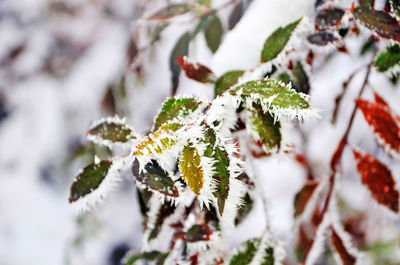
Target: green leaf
[(221, 175), (301, 79), (245, 252), (155, 178), (267, 130), (368, 46), (189, 166), (89, 179), (226, 81), (328, 18), (180, 49), (213, 33), (175, 108), (198, 233), (170, 11), (245, 209), (154, 255), (206, 3), (110, 130), (277, 41), (284, 77), (378, 21), (272, 93), (388, 58), (165, 211)]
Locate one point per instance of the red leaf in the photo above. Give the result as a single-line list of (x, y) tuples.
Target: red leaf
[(380, 100), (340, 248), (303, 197), (196, 71), (378, 179), (385, 127)]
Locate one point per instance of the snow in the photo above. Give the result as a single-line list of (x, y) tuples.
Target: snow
[(49, 114)]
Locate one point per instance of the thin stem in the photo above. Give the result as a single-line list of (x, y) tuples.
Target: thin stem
[(335, 162)]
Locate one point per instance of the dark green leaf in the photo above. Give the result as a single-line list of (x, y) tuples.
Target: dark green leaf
[(267, 130), (277, 41), (388, 58), (221, 175), (89, 179), (175, 107), (165, 211), (328, 18), (226, 81), (213, 33), (170, 11), (321, 38), (284, 98), (284, 77), (198, 233), (245, 253), (301, 79), (368, 46), (181, 49), (245, 209), (144, 198), (155, 178), (154, 255), (378, 21), (111, 130)]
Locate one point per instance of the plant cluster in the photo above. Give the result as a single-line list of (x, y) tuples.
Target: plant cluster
[(192, 169)]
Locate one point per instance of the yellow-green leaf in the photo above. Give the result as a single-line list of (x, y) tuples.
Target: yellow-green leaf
[(190, 168)]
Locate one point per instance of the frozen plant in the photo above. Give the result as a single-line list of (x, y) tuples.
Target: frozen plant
[(192, 169)]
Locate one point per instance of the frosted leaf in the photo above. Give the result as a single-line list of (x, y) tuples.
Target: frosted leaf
[(155, 178), (378, 21), (94, 182), (175, 109), (108, 131), (276, 97)]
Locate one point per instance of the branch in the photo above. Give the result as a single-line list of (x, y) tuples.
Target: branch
[(335, 162)]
